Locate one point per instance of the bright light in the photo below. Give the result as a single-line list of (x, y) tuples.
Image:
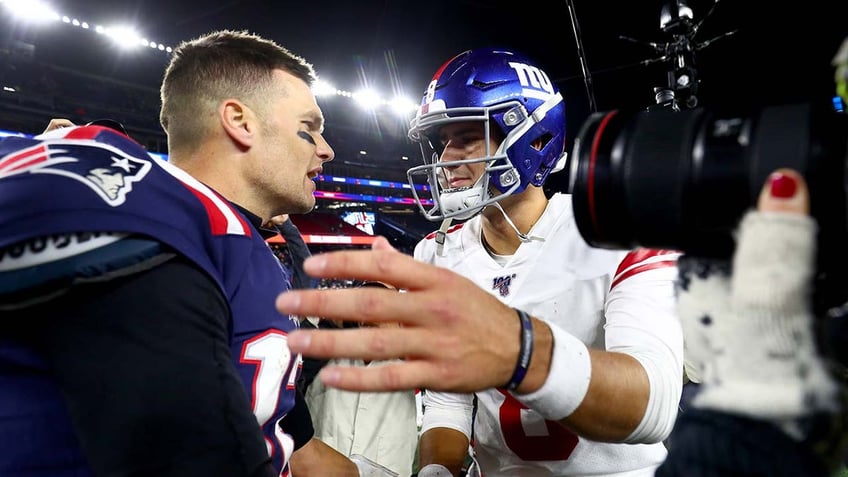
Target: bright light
[(124, 36), (323, 88), (128, 37), (402, 106), (364, 153), (367, 99), (32, 10), (8, 89)]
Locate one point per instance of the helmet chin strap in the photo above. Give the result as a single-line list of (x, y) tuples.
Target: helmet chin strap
[(524, 238), (442, 233)]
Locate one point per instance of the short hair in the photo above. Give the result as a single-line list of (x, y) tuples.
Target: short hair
[(219, 65)]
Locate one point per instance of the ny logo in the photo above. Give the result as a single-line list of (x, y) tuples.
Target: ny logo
[(501, 284), (532, 77)]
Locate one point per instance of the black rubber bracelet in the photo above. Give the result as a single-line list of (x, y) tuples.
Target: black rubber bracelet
[(524, 353)]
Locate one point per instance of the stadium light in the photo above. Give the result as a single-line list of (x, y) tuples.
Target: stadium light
[(124, 36), (402, 106), (34, 11), (323, 88), (127, 37), (367, 98)]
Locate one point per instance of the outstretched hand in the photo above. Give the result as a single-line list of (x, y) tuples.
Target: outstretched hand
[(455, 336)]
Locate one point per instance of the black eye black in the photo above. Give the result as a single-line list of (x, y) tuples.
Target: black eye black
[(306, 136)]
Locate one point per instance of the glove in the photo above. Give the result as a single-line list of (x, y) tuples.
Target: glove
[(749, 330)]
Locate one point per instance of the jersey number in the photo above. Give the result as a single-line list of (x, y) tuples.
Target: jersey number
[(557, 444), (274, 365)]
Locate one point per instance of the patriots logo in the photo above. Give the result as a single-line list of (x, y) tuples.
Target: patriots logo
[(105, 169), (501, 284)]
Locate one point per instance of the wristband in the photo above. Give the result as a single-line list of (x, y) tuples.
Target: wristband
[(524, 353), (567, 381)]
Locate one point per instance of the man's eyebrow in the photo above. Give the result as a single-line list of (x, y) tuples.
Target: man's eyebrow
[(315, 120)]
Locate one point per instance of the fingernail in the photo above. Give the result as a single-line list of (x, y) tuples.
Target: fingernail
[(782, 186)]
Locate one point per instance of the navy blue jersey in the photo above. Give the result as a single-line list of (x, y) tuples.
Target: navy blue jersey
[(93, 182)]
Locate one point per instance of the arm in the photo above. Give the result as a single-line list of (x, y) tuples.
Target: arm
[(318, 459), (298, 250), (168, 371), (630, 389), (450, 326), (769, 403), (443, 446), (445, 430)]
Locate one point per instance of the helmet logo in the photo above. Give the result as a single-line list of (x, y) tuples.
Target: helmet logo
[(532, 77)]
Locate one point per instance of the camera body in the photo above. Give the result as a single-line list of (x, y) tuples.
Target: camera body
[(682, 180)]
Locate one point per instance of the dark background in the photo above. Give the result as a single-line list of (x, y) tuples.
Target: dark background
[(781, 51)]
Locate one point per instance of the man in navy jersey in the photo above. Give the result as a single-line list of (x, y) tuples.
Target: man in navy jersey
[(139, 334)]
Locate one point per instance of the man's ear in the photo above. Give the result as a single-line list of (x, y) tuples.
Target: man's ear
[(239, 122)]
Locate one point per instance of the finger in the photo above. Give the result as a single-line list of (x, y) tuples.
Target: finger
[(57, 123), (369, 304), (773, 264), (364, 343), (394, 376), (388, 266), (381, 243), (785, 191)]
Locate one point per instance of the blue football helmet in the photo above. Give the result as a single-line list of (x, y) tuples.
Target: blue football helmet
[(506, 91)]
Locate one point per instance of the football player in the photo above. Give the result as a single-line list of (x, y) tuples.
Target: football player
[(492, 129)]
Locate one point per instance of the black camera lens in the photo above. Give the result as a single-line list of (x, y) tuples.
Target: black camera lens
[(682, 180)]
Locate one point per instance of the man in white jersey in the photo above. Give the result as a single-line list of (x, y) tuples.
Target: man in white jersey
[(492, 128)]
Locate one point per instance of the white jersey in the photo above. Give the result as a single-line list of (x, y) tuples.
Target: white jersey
[(614, 300)]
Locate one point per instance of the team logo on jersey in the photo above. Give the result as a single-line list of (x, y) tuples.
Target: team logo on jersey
[(501, 284), (106, 170)]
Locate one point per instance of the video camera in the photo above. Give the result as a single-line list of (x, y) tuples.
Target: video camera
[(682, 180)]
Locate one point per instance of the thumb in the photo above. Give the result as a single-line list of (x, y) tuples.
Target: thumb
[(785, 191)]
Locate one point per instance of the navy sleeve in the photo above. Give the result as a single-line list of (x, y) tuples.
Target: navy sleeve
[(299, 251), (145, 367)]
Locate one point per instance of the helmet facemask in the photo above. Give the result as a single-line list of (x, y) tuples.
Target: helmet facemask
[(463, 202)]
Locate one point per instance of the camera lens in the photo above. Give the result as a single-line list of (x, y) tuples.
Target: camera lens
[(682, 180)]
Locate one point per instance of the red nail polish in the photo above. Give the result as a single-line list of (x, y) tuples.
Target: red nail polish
[(783, 186)]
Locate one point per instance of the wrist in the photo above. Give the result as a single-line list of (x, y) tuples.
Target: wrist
[(540, 362), (567, 379), (525, 351)]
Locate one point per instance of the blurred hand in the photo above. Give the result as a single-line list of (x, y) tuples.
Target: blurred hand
[(454, 335), (279, 219), (749, 325)]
